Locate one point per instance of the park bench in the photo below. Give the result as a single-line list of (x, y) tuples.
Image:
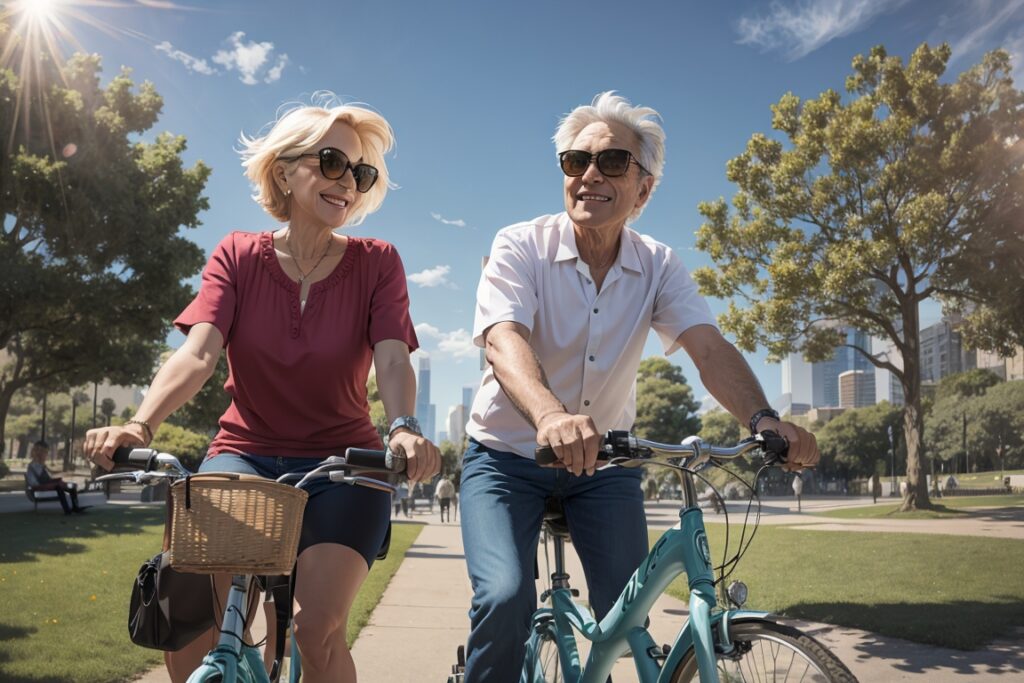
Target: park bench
[(37, 497)]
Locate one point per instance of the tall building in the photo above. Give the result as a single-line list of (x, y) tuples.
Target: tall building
[(425, 410), (467, 398), (856, 389), (942, 352), (457, 417), (816, 385), (1009, 368)]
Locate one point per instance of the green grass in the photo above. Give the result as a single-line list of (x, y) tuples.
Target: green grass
[(944, 508), (982, 480), (954, 591), (64, 588)]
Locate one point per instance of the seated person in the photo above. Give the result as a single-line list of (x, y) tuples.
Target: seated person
[(39, 479)]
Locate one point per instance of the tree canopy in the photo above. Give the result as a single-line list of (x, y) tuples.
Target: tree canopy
[(859, 208), (665, 406), (94, 265)]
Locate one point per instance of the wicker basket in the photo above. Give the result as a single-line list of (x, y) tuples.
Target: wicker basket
[(234, 524)]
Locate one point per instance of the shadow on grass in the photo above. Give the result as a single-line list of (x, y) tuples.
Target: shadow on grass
[(961, 625), (27, 535), (10, 632)]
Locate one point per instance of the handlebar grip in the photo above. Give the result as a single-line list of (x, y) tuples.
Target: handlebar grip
[(371, 459), (546, 457), (775, 445), (127, 456)]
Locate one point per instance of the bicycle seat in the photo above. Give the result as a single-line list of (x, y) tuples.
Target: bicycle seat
[(554, 518)]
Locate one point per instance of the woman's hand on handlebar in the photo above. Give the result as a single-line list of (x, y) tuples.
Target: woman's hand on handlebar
[(803, 447), (423, 459), (101, 442)]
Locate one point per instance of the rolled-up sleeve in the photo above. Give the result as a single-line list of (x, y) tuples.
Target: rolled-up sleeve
[(507, 290), (678, 305), (215, 303)]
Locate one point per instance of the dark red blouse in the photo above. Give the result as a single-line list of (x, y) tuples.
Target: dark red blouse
[(297, 379)]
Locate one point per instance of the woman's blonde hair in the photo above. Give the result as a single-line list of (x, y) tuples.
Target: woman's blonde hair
[(297, 131)]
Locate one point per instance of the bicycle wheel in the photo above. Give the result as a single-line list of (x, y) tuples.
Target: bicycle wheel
[(767, 651), (548, 663)]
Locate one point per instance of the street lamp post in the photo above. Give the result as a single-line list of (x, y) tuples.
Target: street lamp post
[(892, 451), (963, 444)]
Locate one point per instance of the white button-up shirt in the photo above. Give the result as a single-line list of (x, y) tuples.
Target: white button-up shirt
[(588, 343)]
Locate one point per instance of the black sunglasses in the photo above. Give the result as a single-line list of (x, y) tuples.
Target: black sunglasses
[(610, 162), (334, 163)]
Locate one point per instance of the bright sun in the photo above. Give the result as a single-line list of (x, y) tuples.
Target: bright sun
[(40, 10)]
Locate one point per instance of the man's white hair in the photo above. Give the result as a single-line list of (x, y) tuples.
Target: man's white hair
[(642, 121)]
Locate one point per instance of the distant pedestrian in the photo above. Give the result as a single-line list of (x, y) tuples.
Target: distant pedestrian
[(445, 493), (798, 489)]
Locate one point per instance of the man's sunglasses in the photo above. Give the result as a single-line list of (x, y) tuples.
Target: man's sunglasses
[(610, 162), (334, 163)]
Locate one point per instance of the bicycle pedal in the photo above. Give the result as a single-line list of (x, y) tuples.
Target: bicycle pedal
[(659, 653)]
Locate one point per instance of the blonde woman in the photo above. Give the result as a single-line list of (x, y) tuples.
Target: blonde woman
[(302, 312)]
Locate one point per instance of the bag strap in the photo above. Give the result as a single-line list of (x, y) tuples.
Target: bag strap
[(283, 593)]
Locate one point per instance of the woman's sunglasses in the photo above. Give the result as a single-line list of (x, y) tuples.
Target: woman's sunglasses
[(610, 162), (334, 163)]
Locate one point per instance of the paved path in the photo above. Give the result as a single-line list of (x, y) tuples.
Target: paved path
[(422, 618)]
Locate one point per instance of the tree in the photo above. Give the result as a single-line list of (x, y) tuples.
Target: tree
[(856, 443), (188, 446), (966, 384), (985, 429), (720, 428), (93, 265), (857, 211), (202, 413), (665, 407), (451, 457), (107, 408)]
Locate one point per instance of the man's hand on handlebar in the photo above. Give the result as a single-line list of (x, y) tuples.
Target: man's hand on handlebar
[(803, 447), (423, 459), (101, 442), (574, 438)]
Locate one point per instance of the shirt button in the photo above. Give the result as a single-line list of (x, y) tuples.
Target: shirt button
[(592, 358), (586, 403), (595, 310)]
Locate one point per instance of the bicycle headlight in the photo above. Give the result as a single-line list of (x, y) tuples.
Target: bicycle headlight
[(737, 592)]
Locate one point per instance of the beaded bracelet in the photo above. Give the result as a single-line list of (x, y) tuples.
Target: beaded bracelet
[(145, 426)]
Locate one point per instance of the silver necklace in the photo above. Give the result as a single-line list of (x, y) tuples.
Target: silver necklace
[(302, 275)]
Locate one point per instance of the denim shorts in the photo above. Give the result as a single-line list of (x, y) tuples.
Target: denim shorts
[(353, 516)]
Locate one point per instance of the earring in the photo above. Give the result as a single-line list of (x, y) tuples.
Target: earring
[(288, 192)]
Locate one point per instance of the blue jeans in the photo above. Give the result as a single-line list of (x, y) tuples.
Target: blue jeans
[(502, 496)]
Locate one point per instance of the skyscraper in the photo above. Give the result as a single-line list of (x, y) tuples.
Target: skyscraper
[(425, 410), (816, 385)]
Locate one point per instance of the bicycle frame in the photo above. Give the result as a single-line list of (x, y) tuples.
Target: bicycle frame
[(683, 549), (232, 659)]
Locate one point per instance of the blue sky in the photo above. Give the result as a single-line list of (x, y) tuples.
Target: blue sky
[(474, 90)]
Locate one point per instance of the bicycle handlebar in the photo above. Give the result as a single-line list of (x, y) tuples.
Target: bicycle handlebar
[(619, 447)]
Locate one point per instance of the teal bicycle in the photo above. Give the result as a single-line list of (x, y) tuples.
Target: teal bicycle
[(715, 644), (234, 659)]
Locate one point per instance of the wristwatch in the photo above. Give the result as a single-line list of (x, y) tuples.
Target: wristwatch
[(764, 412), (407, 422)]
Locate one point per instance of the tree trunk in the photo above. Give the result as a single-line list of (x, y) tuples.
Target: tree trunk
[(913, 417), (6, 394)]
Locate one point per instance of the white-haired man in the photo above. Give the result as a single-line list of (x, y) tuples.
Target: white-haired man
[(564, 308)]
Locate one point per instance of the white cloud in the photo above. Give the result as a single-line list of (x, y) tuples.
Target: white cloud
[(249, 59), (458, 222), (458, 344), (801, 28), (433, 277), (200, 66), (987, 25), (274, 73)]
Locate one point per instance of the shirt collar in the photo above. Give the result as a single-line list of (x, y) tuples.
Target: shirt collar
[(627, 258)]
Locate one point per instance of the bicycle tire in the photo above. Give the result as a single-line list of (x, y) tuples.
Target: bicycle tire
[(548, 660), (767, 650)]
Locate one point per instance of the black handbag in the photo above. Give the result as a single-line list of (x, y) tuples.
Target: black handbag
[(169, 609)]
